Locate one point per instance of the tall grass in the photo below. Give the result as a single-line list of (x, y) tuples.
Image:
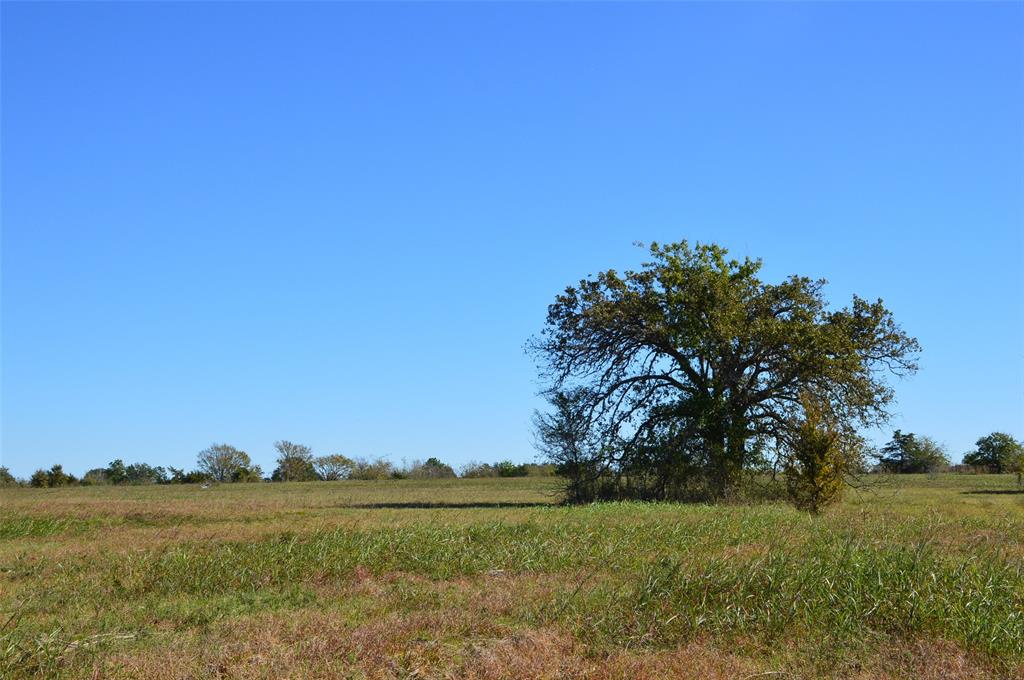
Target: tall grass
[(922, 562)]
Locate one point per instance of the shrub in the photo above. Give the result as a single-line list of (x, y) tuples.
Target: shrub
[(507, 468), (815, 462), (179, 476), (365, 469), (248, 475), (95, 477), (475, 470), (432, 468), (6, 478), (53, 477)]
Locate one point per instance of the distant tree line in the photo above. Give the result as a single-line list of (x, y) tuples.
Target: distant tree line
[(223, 463), (996, 453), (507, 468), (905, 453)]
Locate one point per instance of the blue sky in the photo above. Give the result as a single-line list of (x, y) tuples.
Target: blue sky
[(339, 223)]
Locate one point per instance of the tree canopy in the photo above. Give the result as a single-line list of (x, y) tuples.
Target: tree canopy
[(999, 452), (294, 463), (909, 453), (694, 365), (224, 463)]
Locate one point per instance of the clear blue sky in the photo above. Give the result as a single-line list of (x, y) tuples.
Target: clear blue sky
[(338, 223)]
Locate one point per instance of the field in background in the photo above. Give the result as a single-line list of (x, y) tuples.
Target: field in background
[(915, 577)]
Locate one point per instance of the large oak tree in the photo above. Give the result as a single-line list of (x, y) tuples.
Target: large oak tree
[(694, 363)]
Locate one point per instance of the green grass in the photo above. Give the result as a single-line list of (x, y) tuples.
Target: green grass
[(117, 580)]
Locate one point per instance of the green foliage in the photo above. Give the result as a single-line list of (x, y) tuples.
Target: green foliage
[(221, 462), (506, 468), (432, 468), (999, 452), (565, 437), (909, 453), (1016, 466), (6, 478), (119, 473), (917, 564), (95, 477), (54, 477), (333, 467), (476, 470), (365, 469), (294, 463), (180, 476), (116, 472), (247, 475), (816, 461), (685, 369)]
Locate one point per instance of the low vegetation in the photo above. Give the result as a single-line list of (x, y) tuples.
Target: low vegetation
[(911, 576)]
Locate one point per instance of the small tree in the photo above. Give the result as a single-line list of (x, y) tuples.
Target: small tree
[(294, 463), (96, 476), (57, 477), (380, 468), (179, 476), (333, 467), (564, 437), (221, 462), (6, 478), (143, 473), (815, 462), (248, 474), (997, 452), (909, 453), (507, 468), (1016, 465), (475, 470), (117, 472), (39, 479), (433, 468)]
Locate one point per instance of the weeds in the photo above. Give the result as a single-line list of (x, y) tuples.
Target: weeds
[(920, 561)]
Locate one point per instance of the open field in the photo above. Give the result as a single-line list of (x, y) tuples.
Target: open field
[(916, 577)]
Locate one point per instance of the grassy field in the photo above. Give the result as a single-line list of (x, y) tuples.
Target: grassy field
[(915, 577)]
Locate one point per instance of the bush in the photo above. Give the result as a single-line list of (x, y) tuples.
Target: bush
[(6, 478), (815, 463), (368, 470), (248, 475), (506, 468), (51, 478), (95, 477), (431, 469), (475, 470), (179, 476)]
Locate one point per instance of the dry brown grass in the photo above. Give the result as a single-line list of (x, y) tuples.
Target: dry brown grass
[(513, 587)]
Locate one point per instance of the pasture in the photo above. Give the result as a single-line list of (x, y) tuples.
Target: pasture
[(915, 576)]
